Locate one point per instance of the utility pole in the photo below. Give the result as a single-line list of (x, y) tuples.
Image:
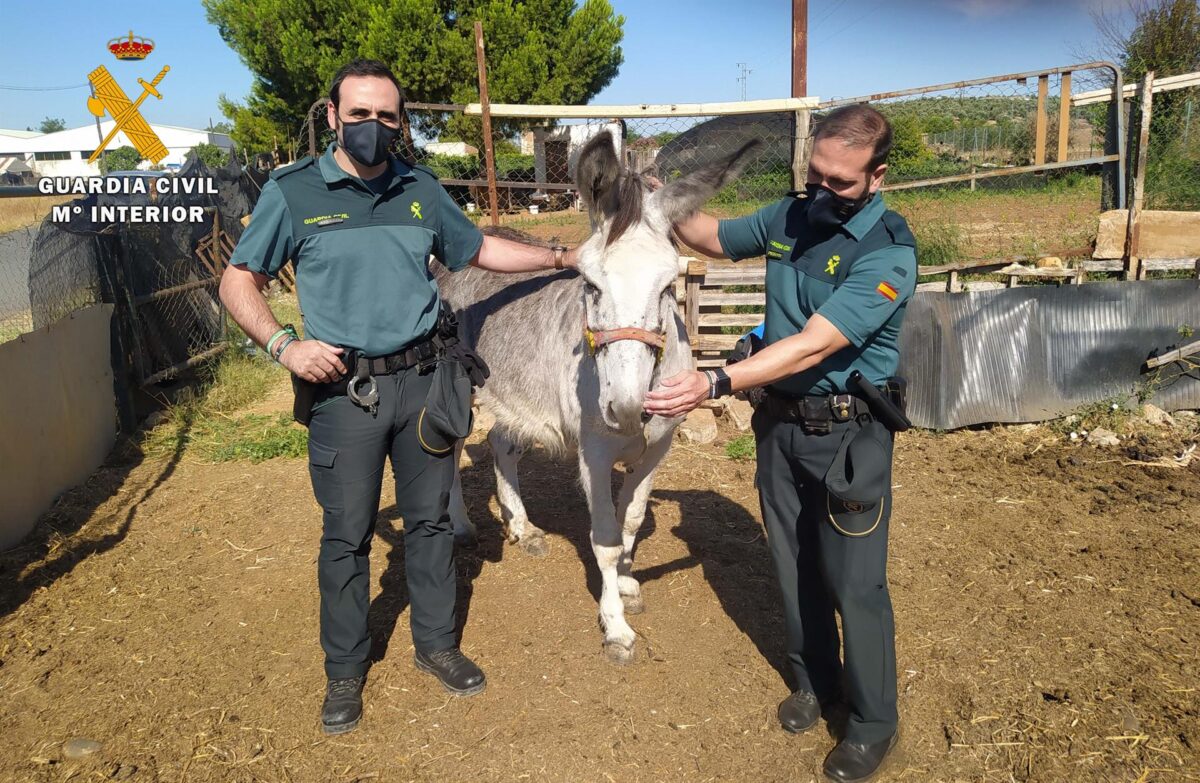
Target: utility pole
[(799, 48), (800, 90), (744, 77)]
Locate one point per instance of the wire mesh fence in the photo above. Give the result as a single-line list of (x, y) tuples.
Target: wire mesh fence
[(162, 278), (1013, 166), (1173, 151), (535, 158)]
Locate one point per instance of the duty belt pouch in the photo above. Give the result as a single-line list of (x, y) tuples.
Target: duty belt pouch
[(309, 396), (815, 415), (305, 396), (858, 480), (896, 389), (446, 416)]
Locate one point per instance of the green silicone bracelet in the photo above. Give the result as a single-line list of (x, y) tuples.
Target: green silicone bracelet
[(271, 342)]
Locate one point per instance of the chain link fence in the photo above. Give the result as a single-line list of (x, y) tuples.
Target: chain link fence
[(162, 278), (535, 158), (1008, 167), (1173, 151)]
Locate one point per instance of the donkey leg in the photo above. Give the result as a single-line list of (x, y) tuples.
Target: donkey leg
[(595, 471), (506, 453), (631, 510), (465, 533)]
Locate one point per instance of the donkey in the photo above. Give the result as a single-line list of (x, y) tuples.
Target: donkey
[(573, 353)]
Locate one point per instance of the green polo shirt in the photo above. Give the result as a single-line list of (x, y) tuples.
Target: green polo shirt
[(361, 256), (860, 278)]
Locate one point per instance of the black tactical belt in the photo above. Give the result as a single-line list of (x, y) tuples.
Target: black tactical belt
[(815, 412), (424, 351)]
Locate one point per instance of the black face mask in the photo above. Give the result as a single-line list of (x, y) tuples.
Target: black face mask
[(827, 210), (368, 141)]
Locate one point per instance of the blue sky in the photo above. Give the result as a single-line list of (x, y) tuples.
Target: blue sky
[(675, 50)]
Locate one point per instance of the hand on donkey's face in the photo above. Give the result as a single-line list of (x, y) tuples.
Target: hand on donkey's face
[(678, 394)]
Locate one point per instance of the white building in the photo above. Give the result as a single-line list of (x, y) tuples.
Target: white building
[(450, 148), (65, 153)]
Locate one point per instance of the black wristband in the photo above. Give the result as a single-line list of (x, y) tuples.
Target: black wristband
[(723, 386)]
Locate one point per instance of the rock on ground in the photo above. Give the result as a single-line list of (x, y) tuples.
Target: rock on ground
[(700, 426), (1103, 437)]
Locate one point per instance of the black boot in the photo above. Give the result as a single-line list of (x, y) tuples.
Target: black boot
[(343, 705), (854, 762), (455, 671), (799, 712)]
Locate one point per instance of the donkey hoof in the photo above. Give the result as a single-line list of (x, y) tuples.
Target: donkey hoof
[(618, 653), (534, 546), (633, 603)]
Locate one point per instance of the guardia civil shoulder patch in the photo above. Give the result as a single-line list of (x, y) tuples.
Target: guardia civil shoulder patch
[(887, 291)]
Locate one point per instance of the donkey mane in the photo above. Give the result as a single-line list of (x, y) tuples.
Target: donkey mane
[(628, 207)]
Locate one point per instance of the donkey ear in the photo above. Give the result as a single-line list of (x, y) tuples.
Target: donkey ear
[(679, 199), (597, 175)]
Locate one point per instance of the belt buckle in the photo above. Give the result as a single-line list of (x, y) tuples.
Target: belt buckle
[(842, 406), (427, 357)]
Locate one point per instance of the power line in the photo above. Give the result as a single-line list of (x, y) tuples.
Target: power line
[(42, 89), (744, 77), (857, 19), (832, 9)]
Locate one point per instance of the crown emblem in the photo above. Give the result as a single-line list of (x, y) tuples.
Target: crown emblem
[(133, 47)]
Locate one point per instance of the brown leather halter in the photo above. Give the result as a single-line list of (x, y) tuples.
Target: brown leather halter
[(598, 339)]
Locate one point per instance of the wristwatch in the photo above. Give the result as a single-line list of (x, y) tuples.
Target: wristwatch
[(559, 252), (722, 385)]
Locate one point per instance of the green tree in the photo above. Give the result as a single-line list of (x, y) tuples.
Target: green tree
[(121, 159), (1162, 36), (908, 147), (1152, 35), (212, 156), (538, 51), (52, 125), (252, 131)]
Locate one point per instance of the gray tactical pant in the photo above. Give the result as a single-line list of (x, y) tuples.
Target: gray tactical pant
[(821, 571), (347, 449)]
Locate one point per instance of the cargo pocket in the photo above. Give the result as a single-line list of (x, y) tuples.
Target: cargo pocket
[(320, 456), (324, 482)]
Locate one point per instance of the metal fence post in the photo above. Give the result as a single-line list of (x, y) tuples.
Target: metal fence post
[(696, 269), (799, 158), (799, 149), (1064, 117), (1133, 229), (489, 153), (1039, 150)]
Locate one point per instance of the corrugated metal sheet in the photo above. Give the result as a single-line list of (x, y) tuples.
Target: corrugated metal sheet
[(1028, 354)]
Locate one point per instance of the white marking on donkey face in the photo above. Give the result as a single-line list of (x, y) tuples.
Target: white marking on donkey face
[(629, 284), (547, 383)]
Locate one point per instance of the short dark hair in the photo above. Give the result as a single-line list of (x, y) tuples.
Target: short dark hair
[(363, 67), (858, 125)]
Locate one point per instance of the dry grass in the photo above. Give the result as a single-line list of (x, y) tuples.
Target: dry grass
[(27, 211), (15, 324)]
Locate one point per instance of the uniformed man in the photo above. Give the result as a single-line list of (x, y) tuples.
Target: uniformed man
[(840, 269), (359, 225)]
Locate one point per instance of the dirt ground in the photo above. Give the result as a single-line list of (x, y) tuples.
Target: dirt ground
[(1047, 602)]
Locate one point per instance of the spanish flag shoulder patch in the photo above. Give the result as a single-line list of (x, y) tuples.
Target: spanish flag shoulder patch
[(887, 291)]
